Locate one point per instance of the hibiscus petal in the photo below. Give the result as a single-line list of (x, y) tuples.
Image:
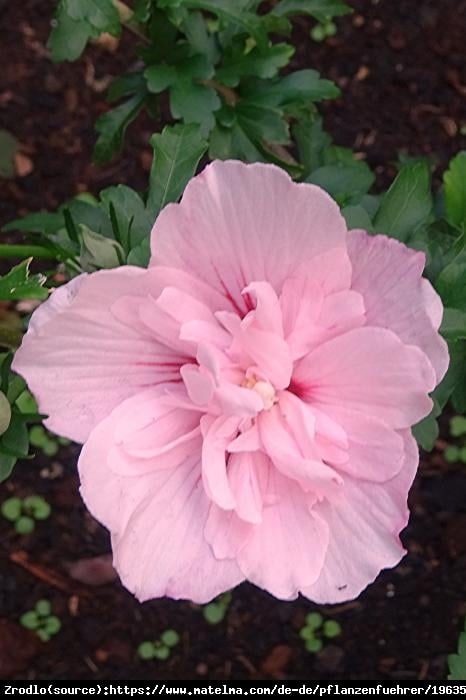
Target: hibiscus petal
[(375, 451), (285, 552), (217, 433), (372, 371), (388, 275), (364, 532), (229, 238), (80, 361), (157, 522)]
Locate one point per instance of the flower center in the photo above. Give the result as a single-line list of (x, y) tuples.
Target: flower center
[(265, 390)]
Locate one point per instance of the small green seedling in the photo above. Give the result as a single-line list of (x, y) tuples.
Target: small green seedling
[(46, 442), (457, 453), (25, 512), (161, 648), (215, 612), (316, 630), (321, 31), (41, 621)]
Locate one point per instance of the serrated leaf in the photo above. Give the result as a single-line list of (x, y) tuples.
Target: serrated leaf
[(301, 87), (194, 104), (260, 63), (18, 284), (262, 122), (234, 11), (407, 204), (454, 186), (102, 15), (112, 125), (177, 152), (160, 77), (457, 662), (426, 432), (200, 40)]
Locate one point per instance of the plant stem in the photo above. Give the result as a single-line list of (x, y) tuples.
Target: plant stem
[(126, 18), (228, 94), (26, 251)]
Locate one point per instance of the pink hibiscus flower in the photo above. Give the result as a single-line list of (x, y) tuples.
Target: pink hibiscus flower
[(245, 404)]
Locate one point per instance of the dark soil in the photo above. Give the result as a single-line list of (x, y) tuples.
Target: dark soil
[(400, 66)]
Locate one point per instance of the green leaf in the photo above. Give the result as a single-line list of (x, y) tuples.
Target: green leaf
[(37, 507), (456, 375), (160, 77), (52, 625), (8, 148), (452, 454), (18, 284), (213, 613), (407, 204), (301, 87), (15, 440), (140, 255), (24, 525), (11, 509), (451, 282), (170, 638), (262, 122), (261, 63), (5, 413), (101, 15), (357, 217), (453, 324), (454, 185), (161, 652), (427, 431), (43, 607), (194, 104), (177, 152), (98, 252), (312, 141), (457, 662), (112, 126), (345, 183), (319, 9), (126, 85), (41, 222), (314, 645), (201, 41), (331, 629), (314, 620), (458, 426), (146, 651), (68, 37), (7, 462), (234, 11), (29, 620), (133, 220)]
